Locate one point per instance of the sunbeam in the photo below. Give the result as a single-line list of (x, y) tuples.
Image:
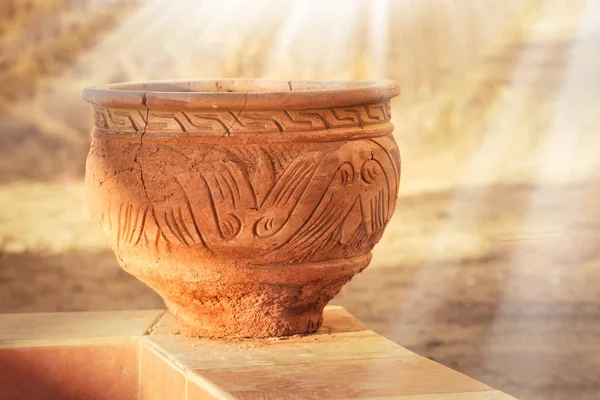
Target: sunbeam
[(492, 252), (556, 250), (464, 206)]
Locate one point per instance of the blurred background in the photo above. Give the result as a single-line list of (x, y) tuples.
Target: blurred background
[(491, 264)]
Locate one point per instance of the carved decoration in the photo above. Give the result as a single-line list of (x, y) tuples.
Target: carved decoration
[(288, 204), (226, 122)]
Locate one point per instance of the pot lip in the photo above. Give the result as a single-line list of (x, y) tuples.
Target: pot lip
[(241, 94)]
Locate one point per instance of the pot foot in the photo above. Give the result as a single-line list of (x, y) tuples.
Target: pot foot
[(248, 323), (270, 301)]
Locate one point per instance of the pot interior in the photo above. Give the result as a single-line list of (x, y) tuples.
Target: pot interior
[(237, 94), (237, 85)]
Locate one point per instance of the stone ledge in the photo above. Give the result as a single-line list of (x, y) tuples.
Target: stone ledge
[(139, 355)]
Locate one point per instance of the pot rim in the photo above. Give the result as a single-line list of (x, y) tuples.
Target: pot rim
[(241, 94)]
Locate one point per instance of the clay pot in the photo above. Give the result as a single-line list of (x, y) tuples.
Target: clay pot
[(246, 204)]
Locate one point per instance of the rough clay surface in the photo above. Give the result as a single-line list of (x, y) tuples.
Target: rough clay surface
[(246, 223)]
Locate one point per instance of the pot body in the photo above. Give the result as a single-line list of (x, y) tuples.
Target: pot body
[(246, 222)]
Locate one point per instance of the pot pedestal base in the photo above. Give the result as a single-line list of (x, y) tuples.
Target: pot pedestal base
[(249, 324), (257, 301)]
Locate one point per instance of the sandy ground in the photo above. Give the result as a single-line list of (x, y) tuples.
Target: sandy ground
[(499, 282)]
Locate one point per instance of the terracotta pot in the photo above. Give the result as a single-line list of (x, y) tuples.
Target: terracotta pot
[(246, 204)]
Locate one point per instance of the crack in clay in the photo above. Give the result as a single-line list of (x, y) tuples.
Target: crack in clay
[(102, 182), (228, 129), (135, 160)]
